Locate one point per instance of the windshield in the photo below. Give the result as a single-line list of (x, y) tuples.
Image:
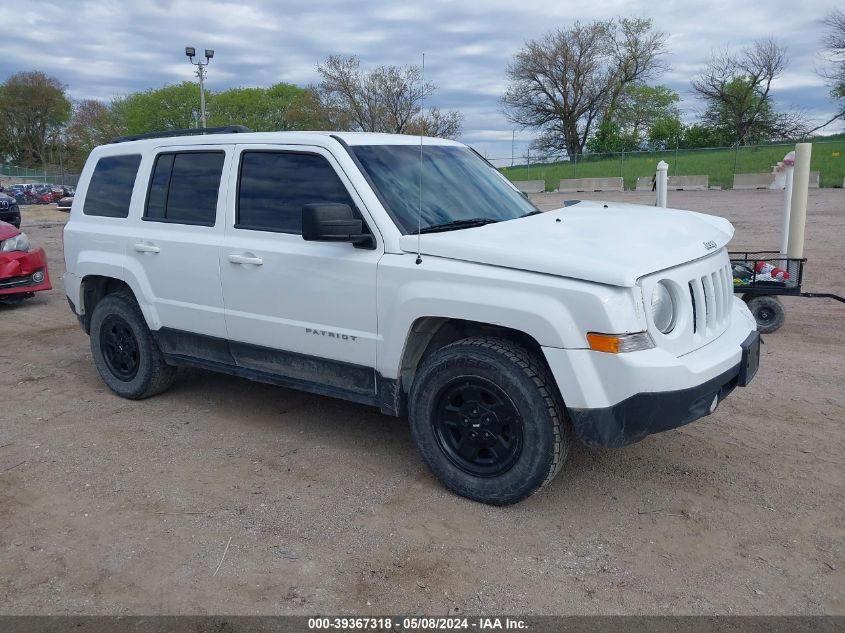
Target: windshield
[(456, 185)]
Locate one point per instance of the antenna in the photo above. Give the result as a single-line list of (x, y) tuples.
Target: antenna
[(419, 204)]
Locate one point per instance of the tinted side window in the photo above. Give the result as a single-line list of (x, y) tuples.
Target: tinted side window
[(110, 189), (274, 186), (184, 187)]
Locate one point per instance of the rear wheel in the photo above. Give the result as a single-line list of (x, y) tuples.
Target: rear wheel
[(487, 420), (124, 351), (768, 311)]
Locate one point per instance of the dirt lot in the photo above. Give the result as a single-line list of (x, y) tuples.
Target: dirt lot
[(111, 506)]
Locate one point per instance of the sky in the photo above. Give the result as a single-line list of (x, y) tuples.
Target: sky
[(105, 48)]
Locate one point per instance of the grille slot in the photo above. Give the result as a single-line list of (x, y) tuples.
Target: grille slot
[(711, 299)]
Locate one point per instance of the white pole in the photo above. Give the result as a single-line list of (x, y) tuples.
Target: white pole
[(798, 213), (662, 184), (787, 206)]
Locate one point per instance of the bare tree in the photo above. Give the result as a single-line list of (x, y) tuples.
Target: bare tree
[(570, 80), (385, 99), (834, 44), (436, 122), (33, 107), (736, 88)]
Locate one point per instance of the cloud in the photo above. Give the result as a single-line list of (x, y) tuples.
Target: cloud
[(104, 48)]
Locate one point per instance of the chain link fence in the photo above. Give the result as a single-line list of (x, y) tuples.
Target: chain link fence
[(13, 175), (719, 163)]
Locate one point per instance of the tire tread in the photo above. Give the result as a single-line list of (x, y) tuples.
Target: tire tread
[(536, 370), (161, 375)]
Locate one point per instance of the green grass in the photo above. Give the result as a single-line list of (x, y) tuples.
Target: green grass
[(828, 158)]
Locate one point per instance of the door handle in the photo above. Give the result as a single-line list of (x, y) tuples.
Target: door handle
[(141, 247), (245, 259)]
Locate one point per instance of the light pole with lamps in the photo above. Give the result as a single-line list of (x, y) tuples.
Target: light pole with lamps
[(190, 53)]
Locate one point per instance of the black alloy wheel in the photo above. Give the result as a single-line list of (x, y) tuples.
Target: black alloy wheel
[(478, 427), (120, 348), (488, 420), (124, 351)]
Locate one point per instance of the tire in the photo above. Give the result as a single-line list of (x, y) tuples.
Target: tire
[(494, 387), (768, 311), (128, 359)]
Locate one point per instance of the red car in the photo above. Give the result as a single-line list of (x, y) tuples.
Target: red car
[(22, 270), (44, 197)]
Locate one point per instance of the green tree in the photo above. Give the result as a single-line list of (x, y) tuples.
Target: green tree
[(737, 91), (610, 138), (570, 81), (169, 108), (33, 109), (261, 109), (177, 106), (638, 109), (666, 132), (93, 123), (640, 106), (698, 135)]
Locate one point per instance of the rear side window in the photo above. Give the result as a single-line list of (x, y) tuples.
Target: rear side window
[(274, 186), (110, 189), (184, 187)]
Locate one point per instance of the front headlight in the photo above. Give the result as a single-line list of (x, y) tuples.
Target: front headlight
[(18, 243), (663, 311)]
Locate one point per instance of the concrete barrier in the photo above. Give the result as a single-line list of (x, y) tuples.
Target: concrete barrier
[(689, 183), (530, 186), (573, 185), (644, 183), (765, 181), (753, 181)]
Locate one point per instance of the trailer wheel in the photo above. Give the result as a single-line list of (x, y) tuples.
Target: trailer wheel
[(768, 311)]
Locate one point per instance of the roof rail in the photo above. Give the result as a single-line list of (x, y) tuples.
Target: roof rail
[(194, 131)]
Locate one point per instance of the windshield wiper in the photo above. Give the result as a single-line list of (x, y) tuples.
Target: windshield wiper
[(456, 224), (535, 212)]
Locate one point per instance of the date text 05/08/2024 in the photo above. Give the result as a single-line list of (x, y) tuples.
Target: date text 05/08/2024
[(416, 623)]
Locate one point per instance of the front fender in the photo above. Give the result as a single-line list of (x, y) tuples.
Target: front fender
[(556, 312)]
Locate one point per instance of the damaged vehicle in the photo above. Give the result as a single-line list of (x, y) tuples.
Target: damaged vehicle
[(410, 275), (23, 270)]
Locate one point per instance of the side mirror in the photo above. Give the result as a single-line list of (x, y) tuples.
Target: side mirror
[(332, 222)]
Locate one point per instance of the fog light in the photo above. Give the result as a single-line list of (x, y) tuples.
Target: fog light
[(38, 276), (714, 404)]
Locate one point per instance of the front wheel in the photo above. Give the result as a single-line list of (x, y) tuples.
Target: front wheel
[(487, 420)]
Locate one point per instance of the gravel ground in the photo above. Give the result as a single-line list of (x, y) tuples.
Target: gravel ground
[(115, 507)]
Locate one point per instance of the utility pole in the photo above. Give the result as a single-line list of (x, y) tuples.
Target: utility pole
[(513, 142), (201, 75), (190, 53)]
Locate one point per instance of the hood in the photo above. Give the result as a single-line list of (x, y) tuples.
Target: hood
[(604, 242)]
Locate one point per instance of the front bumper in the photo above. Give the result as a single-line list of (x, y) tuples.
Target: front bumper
[(646, 413), (11, 215), (20, 272), (618, 399)]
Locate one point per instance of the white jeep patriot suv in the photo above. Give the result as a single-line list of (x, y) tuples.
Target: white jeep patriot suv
[(407, 274)]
